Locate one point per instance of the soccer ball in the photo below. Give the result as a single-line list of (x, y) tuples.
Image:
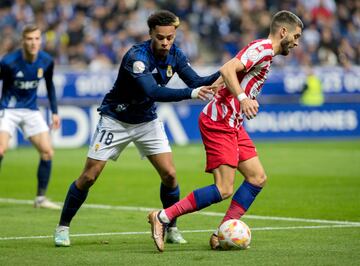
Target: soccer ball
[(234, 234)]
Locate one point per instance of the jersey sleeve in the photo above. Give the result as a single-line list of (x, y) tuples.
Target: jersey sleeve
[(3, 70), (50, 87), (253, 54), (188, 74), (138, 68)]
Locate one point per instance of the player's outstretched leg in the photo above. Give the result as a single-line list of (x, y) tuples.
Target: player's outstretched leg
[(61, 236), (157, 230), (240, 203)]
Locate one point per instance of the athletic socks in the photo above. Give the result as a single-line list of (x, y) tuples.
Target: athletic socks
[(241, 201), (73, 201), (169, 196), (1, 158), (235, 211), (196, 200), (43, 175)]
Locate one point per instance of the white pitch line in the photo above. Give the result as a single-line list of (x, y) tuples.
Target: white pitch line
[(144, 209), (183, 231)]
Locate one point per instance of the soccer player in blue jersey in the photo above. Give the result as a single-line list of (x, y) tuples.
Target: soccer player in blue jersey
[(21, 72), (128, 114)]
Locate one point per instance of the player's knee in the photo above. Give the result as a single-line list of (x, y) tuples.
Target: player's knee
[(258, 179), (47, 155), (226, 191), (169, 177), (86, 180)]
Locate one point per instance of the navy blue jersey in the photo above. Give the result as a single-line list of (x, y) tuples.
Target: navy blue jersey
[(142, 80), (21, 80)]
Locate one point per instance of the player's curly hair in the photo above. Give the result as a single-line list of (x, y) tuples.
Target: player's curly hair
[(163, 18), (284, 18)]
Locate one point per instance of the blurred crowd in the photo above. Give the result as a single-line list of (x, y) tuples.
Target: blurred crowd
[(97, 33)]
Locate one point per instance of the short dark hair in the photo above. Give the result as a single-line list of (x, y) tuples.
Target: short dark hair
[(29, 28), (163, 18), (282, 18)]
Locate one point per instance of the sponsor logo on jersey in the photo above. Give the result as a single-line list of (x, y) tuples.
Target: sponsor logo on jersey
[(155, 71), (138, 67), (40, 73), (169, 71), (26, 85), (19, 74)]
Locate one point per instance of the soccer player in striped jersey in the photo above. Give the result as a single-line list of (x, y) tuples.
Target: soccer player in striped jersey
[(21, 72), (228, 146), (128, 114)]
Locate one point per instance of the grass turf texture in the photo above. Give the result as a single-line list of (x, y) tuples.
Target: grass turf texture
[(310, 180)]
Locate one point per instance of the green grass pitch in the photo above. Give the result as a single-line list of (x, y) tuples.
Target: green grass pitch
[(308, 214)]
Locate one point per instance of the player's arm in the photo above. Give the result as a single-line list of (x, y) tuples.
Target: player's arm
[(138, 70), (193, 80), (3, 70), (48, 75), (218, 84), (189, 75), (164, 94), (229, 75)]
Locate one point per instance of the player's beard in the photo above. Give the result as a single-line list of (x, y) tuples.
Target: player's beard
[(285, 44)]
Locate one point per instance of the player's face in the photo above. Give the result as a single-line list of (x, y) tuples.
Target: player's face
[(32, 43), (162, 38), (290, 40)]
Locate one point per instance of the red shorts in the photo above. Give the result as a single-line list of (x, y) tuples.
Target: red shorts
[(223, 144)]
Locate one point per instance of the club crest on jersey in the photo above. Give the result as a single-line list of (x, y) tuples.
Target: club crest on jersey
[(252, 54), (138, 67), (169, 71), (40, 73)]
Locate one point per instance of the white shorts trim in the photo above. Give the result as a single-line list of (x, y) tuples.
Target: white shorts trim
[(111, 137), (30, 122)]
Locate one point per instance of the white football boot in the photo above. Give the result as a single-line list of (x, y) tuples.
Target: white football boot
[(174, 236), (43, 202), (61, 236)]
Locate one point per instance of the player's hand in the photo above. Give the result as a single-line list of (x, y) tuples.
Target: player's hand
[(249, 107), (55, 121), (204, 93)]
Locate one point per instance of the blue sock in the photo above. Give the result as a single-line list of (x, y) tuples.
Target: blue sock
[(246, 194), (206, 196), (43, 175), (73, 201), (169, 196)]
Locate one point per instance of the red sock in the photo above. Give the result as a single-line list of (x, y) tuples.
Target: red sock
[(181, 207), (235, 211)]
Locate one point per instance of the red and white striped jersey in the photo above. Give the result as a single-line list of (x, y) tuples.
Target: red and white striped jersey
[(257, 58)]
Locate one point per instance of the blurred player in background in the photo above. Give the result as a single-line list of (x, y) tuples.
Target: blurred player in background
[(128, 114), (21, 72), (228, 146)]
